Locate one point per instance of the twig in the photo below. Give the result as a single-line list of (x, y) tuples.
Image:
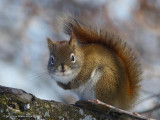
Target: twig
[(132, 115)]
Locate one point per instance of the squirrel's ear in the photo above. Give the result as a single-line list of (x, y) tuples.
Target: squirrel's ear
[(50, 43), (73, 41)]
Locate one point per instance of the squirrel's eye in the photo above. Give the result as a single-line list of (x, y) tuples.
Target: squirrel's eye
[(72, 58), (52, 59)]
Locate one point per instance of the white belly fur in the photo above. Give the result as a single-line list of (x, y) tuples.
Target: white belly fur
[(87, 90)]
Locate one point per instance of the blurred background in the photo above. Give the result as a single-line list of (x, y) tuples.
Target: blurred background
[(25, 24)]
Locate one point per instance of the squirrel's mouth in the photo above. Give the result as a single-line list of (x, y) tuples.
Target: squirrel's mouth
[(66, 73), (62, 74)]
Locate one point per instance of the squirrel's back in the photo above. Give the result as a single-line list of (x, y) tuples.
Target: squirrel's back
[(129, 87)]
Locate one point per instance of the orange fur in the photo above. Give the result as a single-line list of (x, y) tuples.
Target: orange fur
[(86, 35)]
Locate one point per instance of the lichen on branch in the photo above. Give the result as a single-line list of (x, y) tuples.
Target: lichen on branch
[(18, 104)]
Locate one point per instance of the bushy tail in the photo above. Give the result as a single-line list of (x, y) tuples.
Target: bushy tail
[(85, 34)]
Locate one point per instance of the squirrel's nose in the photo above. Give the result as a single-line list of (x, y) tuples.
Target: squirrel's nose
[(62, 68)]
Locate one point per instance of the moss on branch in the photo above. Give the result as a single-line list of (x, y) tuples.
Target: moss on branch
[(17, 104)]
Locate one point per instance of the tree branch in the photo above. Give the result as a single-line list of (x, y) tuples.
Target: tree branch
[(17, 104)]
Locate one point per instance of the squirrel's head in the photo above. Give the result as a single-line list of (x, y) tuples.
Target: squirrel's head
[(65, 59)]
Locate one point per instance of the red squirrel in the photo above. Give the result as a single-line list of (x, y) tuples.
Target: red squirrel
[(95, 65)]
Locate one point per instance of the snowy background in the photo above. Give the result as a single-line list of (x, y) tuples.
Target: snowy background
[(25, 24)]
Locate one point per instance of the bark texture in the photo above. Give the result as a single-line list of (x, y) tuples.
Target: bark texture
[(18, 104)]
